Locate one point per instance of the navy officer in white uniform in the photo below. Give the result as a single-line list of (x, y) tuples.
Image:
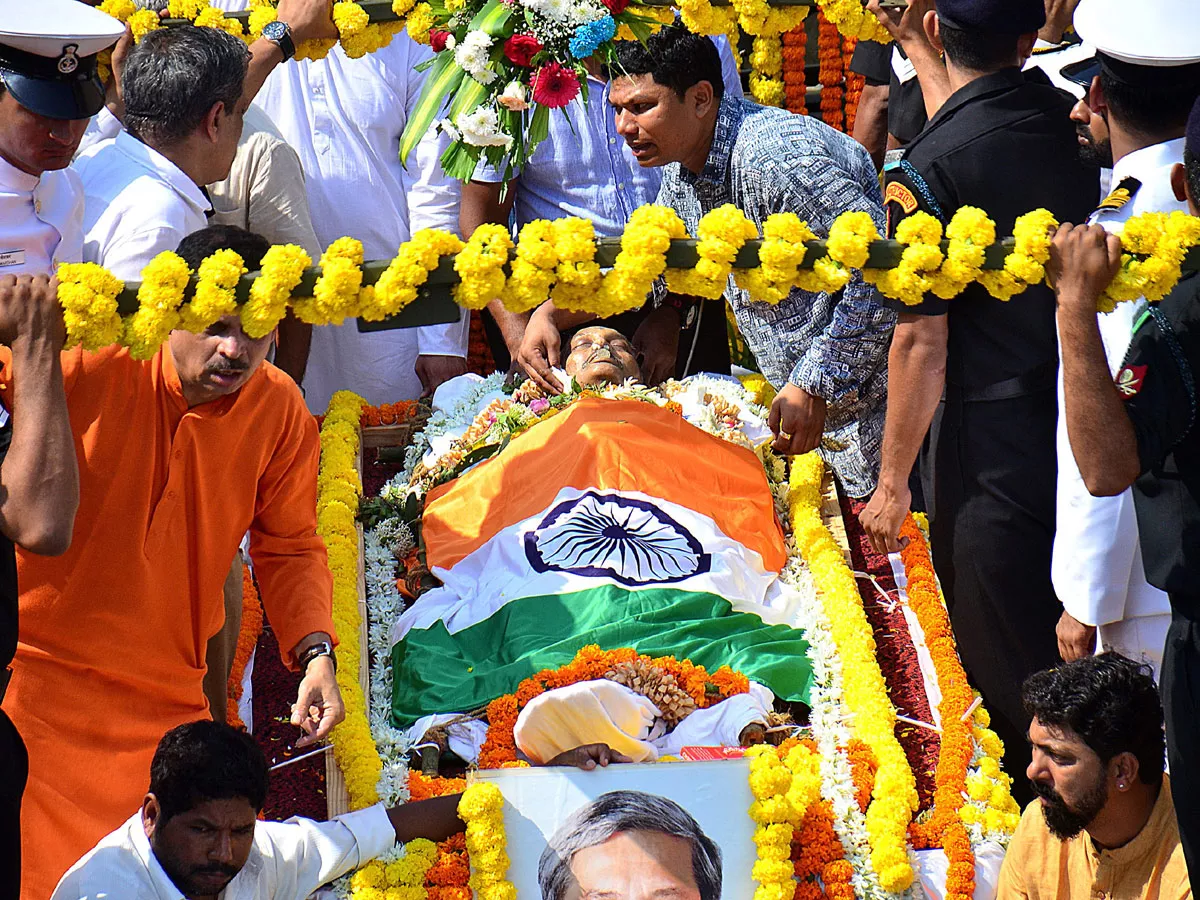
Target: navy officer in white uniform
[(51, 89), (1147, 76), (48, 91)]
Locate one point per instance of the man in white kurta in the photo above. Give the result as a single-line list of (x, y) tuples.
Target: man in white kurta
[(1097, 564), (345, 118)]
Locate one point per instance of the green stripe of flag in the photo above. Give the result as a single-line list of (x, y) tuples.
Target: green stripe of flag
[(437, 672)]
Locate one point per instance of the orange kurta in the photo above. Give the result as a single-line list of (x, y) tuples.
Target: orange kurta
[(113, 633)]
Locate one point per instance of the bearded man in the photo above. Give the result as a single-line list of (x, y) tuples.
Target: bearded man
[(1103, 823)]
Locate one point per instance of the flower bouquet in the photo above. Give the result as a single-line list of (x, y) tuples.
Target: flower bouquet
[(502, 66)]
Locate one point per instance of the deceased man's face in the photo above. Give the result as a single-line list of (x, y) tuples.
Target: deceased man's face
[(601, 356), (635, 865)]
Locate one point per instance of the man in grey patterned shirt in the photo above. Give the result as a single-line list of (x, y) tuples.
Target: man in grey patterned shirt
[(826, 353)]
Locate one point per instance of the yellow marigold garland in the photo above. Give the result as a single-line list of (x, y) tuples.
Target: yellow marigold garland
[(338, 492), (894, 797), (766, 70), (163, 283), (88, 295), (335, 295), (281, 269), (480, 265), (722, 232), (215, 295), (853, 20), (1156, 246), (482, 808), (401, 879)]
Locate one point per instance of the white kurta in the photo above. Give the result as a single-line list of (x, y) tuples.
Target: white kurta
[(1097, 565), (41, 220), (345, 117), (289, 860), (137, 204)]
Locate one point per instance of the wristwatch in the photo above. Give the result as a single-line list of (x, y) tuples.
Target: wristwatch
[(321, 648), (280, 34)]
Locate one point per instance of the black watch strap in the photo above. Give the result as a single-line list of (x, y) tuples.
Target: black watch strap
[(280, 34), (322, 648)]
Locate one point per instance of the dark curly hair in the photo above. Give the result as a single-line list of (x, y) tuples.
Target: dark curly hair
[(674, 58), (203, 761), (1111, 702)]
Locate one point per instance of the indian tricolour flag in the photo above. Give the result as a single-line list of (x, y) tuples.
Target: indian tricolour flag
[(615, 523)]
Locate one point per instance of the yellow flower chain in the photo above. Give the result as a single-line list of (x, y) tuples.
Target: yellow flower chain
[(480, 265), (482, 808), (911, 280), (401, 879), (216, 294), (88, 294), (338, 492), (853, 20), (280, 273), (766, 69), (397, 286), (722, 232), (164, 281), (535, 269), (1155, 244), (335, 295), (894, 797)]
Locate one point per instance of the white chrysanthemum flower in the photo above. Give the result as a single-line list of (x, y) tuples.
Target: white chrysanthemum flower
[(481, 128)]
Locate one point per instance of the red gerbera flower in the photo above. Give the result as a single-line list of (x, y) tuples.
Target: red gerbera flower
[(437, 39), (616, 7), (555, 85)]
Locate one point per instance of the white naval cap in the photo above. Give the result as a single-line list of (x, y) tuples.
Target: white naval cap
[(1142, 32), (48, 55)]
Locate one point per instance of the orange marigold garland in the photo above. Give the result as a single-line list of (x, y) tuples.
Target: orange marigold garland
[(589, 664), (854, 83), (943, 828), (388, 414), (795, 51), (252, 627), (830, 74)]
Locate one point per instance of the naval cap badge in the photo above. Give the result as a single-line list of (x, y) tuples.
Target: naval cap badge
[(69, 61)]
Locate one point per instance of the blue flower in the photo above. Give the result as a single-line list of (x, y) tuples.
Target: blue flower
[(591, 35)]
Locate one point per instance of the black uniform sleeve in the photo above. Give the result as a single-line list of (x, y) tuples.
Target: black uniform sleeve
[(873, 61), (1157, 383), (906, 192)]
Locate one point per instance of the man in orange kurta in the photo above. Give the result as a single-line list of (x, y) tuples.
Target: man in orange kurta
[(179, 456)]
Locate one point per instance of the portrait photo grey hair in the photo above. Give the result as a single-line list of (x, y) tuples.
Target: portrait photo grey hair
[(174, 76), (625, 811)]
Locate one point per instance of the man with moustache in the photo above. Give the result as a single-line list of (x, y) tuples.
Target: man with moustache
[(1143, 81), (179, 456), (1103, 824)]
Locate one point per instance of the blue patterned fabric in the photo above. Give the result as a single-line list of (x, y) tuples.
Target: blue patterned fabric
[(766, 161)]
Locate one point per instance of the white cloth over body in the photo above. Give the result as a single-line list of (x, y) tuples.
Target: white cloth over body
[(137, 203), (1097, 564), (605, 712), (42, 220), (288, 861), (344, 117)]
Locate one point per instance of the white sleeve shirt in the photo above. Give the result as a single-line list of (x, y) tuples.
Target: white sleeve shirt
[(288, 861), (137, 203), (1096, 565), (41, 220), (344, 117)]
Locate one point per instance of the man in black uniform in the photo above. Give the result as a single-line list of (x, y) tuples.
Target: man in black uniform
[(1152, 443), (1002, 142)]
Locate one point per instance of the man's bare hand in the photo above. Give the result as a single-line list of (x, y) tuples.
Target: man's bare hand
[(1084, 259), (797, 420), (1060, 15), (588, 757), (113, 98), (310, 20), (906, 26), (1075, 640), (319, 703), (656, 342), (434, 370), (541, 349), (29, 311), (883, 517)]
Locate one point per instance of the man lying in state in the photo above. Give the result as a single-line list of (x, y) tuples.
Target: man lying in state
[(197, 835), (612, 514)]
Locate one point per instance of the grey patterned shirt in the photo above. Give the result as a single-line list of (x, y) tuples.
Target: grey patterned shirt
[(765, 161)]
